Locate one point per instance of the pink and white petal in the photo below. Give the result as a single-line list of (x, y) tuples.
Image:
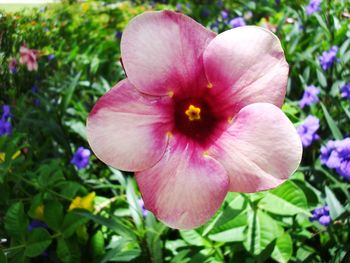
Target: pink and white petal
[(162, 52), (184, 189), (260, 150), (127, 130), (247, 64)]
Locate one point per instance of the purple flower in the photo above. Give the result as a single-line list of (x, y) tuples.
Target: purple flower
[(329, 155), (310, 96), (35, 89), (81, 158), (36, 224), (50, 57), (118, 34), (13, 66), (237, 22), (307, 130), (6, 112), (314, 6), (142, 206), (179, 7), (205, 12), (224, 14), (328, 58), (345, 91), (321, 214), (343, 151), (5, 127), (214, 26)]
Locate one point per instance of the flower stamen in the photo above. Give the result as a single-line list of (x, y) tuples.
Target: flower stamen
[(193, 113)]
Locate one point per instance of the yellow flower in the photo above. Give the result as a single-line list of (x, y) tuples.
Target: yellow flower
[(39, 212), (85, 7), (85, 202), (14, 156)]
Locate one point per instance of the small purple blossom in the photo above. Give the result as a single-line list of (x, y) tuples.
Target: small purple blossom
[(50, 57), (35, 89), (343, 151), (321, 214), (5, 128), (345, 91), (224, 14), (329, 155), (142, 206), (205, 12), (307, 130), (6, 112), (310, 96), (179, 7), (36, 224), (328, 58), (215, 25), (118, 34), (13, 66), (237, 22), (81, 158), (313, 7)]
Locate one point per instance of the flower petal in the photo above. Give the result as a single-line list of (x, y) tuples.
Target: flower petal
[(184, 189), (162, 52), (254, 58), (127, 130), (260, 150)]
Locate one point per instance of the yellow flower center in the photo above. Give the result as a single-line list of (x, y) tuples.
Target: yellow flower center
[(193, 113)]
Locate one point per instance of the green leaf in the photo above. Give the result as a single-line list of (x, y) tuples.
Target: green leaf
[(38, 241), (335, 207), (63, 251), (322, 23), (53, 214), (192, 237), (154, 230), (261, 231), (321, 78), (331, 123), (3, 258), (71, 222), (232, 231), (97, 244), (287, 199), (16, 221), (69, 92), (283, 249), (134, 206), (233, 209), (112, 224)]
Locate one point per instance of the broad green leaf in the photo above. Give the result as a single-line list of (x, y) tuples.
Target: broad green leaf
[(322, 23), (304, 252), (287, 199), (118, 255), (262, 230), (331, 123), (63, 251), (111, 223), (335, 207), (283, 249), (71, 222), (233, 209), (38, 241), (231, 231), (16, 221), (192, 237), (181, 257), (53, 214)]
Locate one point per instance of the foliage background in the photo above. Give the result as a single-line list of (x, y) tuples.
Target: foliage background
[(48, 126)]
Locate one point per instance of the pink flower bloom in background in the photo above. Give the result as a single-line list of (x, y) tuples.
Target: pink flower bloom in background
[(197, 116), (28, 57)]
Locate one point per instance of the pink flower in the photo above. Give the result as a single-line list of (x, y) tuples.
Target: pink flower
[(197, 116), (28, 57)]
